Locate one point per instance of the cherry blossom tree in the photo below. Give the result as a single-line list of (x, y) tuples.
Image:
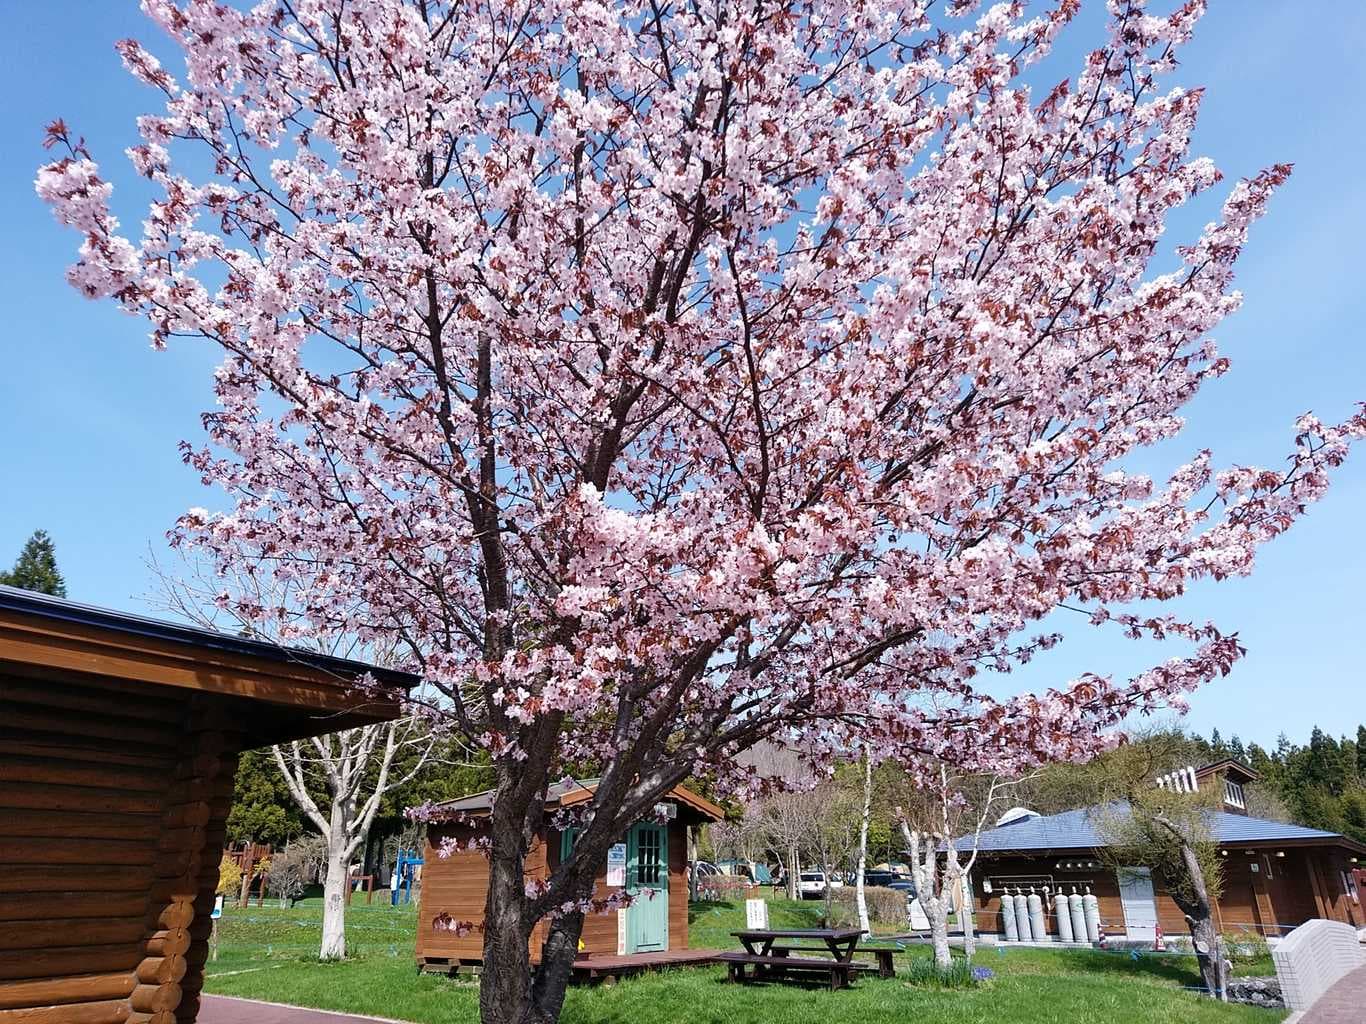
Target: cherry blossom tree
[(666, 378)]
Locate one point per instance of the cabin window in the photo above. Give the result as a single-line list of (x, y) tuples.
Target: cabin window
[(647, 856), (1233, 794)]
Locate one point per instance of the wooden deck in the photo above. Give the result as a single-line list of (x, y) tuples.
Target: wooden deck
[(598, 967), (601, 966)]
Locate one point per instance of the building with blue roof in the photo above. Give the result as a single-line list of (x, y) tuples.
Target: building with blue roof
[(1276, 875)]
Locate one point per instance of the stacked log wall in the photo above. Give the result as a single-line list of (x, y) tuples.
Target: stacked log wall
[(114, 798)]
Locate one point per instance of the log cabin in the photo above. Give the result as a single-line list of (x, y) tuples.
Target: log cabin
[(119, 739), (650, 864), (1276, 875)]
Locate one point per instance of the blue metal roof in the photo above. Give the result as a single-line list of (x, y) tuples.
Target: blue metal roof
[(1076, 830)]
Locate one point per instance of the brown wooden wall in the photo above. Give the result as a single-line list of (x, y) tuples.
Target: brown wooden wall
[(113, 797), (457, 886), (1281, 893)]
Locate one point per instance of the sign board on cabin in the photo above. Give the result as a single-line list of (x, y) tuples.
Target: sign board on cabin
[(756, 914), (616, 864), (621, 932)]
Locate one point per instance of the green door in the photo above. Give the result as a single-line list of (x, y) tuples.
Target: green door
[(647, 879)]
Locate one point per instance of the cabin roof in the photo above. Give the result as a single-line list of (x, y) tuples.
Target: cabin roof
[(1230, 767), (267, 691), (1076, 830), (59, 609), (569, 791)]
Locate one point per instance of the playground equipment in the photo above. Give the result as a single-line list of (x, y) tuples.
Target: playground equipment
[(405, 872)]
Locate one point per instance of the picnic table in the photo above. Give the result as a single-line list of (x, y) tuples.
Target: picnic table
[(769, 951)]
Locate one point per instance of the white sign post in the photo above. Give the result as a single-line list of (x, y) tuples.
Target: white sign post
[(756, 914)]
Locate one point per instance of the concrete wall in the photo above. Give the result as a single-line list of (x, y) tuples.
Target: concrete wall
[(1313, 957)]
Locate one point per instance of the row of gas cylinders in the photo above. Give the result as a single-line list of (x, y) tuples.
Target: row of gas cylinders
[(1077, 916)]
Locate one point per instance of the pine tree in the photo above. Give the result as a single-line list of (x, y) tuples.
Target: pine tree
[(1361, 754), (1236, 749), (1216, 743), (36, 568)]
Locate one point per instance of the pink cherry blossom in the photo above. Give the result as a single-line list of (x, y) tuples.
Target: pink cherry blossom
[(667, 379)]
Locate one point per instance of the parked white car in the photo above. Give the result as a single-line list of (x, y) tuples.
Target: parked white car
[(811, 885)]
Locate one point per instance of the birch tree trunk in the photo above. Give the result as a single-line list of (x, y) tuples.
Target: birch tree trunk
[(334, 888), (965, 916), (860, 898), (924, 857)]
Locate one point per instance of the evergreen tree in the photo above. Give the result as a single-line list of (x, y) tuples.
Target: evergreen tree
[(1236, 750), (262, 811), (1324, 767), (36, 568), (1361, 754), (1216, 743)]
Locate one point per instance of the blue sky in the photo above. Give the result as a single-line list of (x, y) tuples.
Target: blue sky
[(90, 416)]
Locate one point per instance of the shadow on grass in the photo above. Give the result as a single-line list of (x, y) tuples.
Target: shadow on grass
[(1182, 970)]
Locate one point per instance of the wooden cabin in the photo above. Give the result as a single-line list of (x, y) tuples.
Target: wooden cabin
[(119, 739), (650, 863), (1276, 875)]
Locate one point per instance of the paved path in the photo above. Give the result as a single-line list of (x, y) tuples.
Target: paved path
[(227, 1010), (1341, 1004)]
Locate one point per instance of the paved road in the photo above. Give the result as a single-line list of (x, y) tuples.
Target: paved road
[(226, 1010), (1341, 1004)]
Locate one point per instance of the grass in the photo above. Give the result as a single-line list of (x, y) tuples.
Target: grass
[(270, 953)]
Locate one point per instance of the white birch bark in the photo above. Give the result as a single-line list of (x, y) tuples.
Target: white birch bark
[(342, 761), (860, 898), (924, 858)]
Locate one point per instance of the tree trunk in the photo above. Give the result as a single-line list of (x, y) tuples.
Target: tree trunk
[(938, 915), (930, 890), (965, 918), (860, 898), (557, 962), (1209, 953), (334, 907), (793, 872), (829, 886), (1209, 944), (334, 883), (505, 985)]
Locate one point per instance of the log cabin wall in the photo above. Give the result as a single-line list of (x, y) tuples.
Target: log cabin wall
[(114, 800), (119, 738)]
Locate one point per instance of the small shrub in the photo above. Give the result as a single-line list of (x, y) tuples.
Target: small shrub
[(296, 869), (723, 888), (1244, 948), (229, 877), (885, 906)]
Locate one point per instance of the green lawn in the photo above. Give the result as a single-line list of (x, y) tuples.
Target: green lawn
[(268, 953)]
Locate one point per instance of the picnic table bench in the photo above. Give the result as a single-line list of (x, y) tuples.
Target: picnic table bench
[(771, 957)]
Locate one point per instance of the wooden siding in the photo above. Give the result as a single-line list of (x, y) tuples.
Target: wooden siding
[(457, 887), (1279, 894)]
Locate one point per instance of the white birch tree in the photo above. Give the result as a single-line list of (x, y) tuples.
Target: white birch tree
[(860, 898), (354, 769)]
